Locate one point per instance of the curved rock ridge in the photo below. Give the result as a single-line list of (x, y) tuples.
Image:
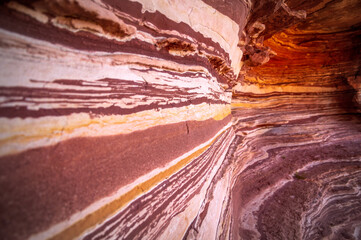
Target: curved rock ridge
[(114, 116)]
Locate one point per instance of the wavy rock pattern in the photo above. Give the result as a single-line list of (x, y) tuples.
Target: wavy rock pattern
[(298, 168), (290, 53), (150, 119), (296, 109), (114, 117)]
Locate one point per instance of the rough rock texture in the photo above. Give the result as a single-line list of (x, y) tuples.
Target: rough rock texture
[(115, 119), (298, 173), (151, 119), (318, 53), (298, 170)]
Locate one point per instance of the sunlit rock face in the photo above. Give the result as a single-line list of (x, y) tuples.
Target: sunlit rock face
[(317, 53), (150, 119)]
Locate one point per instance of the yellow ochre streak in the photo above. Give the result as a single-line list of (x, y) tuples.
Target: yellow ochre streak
[(104, 212)]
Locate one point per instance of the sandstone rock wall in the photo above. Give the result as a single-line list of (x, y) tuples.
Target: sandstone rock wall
[(298, 167), (152, 119), (115, 118), (296, 111)]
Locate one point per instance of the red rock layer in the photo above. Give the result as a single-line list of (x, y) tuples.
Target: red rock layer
[(56, 181), (296, 111), (115, 119), (114, 116), (321, 48), (298, 168)]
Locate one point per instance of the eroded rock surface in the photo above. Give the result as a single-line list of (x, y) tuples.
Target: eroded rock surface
[(148, 119), (298, 168)]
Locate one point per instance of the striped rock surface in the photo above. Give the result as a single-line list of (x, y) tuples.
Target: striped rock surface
[(202, 119), (115, 119), (298, 167), (296, 114)]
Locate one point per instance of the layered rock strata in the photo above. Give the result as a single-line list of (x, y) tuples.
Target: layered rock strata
[(295, 53), (298, 167), (115, 118), (148, 119), (296, 109)]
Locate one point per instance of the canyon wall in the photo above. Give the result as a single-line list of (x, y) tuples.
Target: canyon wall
[(115, 117), (296, 112), (148, 119)]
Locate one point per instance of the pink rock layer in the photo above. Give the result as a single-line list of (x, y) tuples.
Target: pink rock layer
[(299, 170), (114, 117), (116, 123)]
